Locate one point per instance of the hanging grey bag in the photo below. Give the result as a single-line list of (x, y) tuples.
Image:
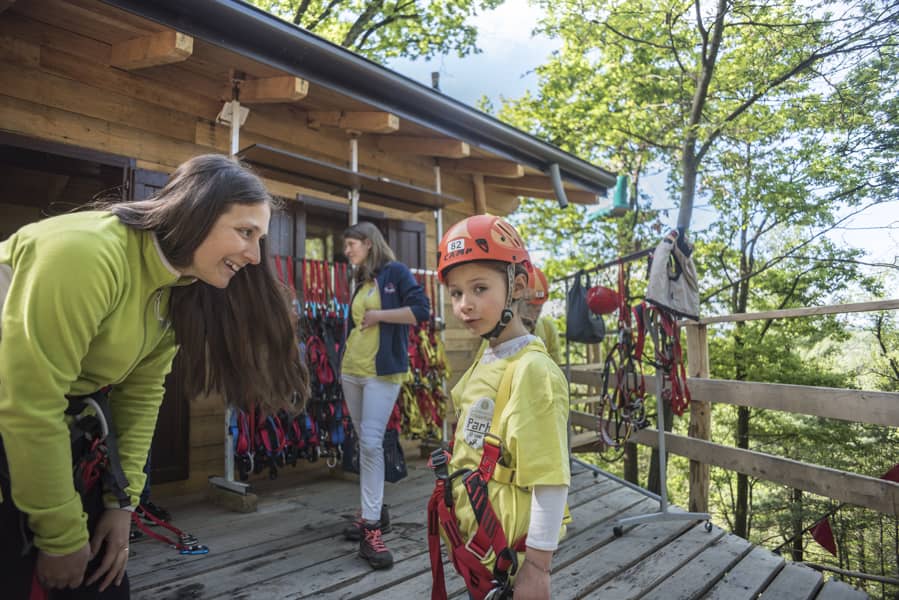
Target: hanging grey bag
[(581, 324), (673, 285)]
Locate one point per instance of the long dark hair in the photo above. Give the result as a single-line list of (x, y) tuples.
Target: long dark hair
[(236, 341), (379, 255)]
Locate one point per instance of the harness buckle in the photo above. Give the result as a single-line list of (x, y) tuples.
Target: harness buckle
[(481, 556), (439, 463)]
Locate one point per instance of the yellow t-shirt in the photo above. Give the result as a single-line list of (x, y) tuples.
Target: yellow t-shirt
[(363, 344), (546, 330), (533, 427)]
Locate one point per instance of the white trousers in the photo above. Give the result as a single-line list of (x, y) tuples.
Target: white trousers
[(370, 401)]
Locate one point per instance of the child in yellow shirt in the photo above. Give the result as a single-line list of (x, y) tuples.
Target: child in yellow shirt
[(510, 445)]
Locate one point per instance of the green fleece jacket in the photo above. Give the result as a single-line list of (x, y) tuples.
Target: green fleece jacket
[(86, 308)]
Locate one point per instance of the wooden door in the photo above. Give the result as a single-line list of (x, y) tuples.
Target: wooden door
[(170, 461)]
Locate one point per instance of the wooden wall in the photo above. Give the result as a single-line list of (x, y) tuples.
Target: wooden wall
[(58, 86)]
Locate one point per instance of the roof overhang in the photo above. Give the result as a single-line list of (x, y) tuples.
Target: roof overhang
[(256, 34), (338, 181)]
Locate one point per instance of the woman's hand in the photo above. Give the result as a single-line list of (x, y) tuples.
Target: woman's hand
[(111, 534), (60, 572), (370, 318), (532, 582)]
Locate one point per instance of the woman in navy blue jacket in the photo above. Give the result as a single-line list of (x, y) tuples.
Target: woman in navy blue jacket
[(387, 300)]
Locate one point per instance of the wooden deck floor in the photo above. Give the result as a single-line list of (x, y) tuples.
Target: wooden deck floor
[(293, 548)]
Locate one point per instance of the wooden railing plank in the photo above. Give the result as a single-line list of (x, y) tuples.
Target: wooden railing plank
[(811, 311), (876, 494), (858, 406), (861, 406)]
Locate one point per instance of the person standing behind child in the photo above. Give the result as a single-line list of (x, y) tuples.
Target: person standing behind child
[(386, 301), (541, 325), (519, 451)]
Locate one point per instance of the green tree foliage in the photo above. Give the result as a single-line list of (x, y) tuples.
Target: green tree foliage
[(781, 118), (380, 29)]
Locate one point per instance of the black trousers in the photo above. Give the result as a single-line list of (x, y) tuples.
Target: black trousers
[(18, 558)]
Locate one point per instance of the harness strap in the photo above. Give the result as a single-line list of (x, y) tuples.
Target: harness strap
[(489, 535), (183, 542), (102, 460)]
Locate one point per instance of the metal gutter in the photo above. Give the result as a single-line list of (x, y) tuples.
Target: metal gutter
[(256, 34)]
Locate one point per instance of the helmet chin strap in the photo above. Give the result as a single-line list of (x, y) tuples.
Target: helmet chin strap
[(506, 316)]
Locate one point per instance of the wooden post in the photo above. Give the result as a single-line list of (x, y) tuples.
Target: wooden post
[(480, 194), (700, 414)]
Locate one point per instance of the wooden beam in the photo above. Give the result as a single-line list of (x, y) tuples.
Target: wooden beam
[(493, 167), (480, 194), (163, 48), (575, 196), (700, 415), (533, 183), (537, 186), (788, 313), (272, 90), (859, 406), (360, 121), (877, 494), (425, 146)]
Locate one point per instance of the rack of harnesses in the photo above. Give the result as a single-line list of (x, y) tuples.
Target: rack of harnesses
[(422, 397), (272, 441), (623, 394)]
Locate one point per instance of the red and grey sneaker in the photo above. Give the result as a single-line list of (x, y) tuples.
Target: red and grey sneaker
[(353, 531), (372, 548)]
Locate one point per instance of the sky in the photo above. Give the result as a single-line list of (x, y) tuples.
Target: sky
[(505, 69)]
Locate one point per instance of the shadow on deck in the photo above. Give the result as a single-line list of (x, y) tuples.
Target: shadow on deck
[(293, 548)]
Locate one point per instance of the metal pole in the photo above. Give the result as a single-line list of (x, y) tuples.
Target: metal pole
[(438, 217), (227, 482), (354, 194)]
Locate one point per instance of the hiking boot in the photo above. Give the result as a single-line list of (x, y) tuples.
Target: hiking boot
[(148, 508), (353, 531), (372, 548)]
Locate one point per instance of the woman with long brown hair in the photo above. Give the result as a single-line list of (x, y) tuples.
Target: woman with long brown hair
[(94, 307)]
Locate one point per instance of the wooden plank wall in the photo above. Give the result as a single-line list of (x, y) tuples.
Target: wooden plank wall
[(61, 87)]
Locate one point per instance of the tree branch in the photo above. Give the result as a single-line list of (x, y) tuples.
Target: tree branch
[(301, 12)]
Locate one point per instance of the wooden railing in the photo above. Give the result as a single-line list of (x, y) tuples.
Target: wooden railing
[(859, 406)]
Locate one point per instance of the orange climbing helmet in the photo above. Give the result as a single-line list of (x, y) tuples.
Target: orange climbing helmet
[(538, 288), (481, 237)]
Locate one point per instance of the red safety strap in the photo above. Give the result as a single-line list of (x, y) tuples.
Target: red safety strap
[(278, 268), (467, 556), (37, 590), (184, 542)]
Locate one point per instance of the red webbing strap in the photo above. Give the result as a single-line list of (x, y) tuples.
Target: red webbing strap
[(290, 278), (478, 579), (321, 285), (438, 578), (183, 542), (37, 590), (278, 268), (489, 533)]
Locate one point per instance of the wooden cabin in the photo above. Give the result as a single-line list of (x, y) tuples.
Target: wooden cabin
[(103, 98)]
